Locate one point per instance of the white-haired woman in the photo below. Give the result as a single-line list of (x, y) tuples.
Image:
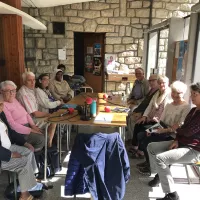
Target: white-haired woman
[(18, 118), (27, 97), (173, 116)]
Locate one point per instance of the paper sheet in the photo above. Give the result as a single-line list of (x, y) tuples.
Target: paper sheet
[(103, 118)]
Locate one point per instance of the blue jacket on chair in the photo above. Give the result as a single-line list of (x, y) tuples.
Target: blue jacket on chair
[(99, 162)]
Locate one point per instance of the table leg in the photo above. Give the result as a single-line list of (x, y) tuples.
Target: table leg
[(60, 146), (122, 132), (45, 152), (67, 135)]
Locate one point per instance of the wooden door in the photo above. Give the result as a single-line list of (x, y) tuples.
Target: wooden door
[(92, 75)]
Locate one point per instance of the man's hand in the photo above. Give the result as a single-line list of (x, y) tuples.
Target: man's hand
[(175, 126), (16, 155), (34, 131), (29, 146), (35, 128), (174, 145), (142, 120)]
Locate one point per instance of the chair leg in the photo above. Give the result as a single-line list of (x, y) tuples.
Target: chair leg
[(188, 177), (15, 184)]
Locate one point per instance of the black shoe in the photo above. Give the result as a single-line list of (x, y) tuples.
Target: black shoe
[(170, 196), (145, 171), (155, 182), (142, 165)]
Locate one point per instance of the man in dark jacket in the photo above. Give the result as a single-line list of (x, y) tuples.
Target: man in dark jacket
[(14, 157)]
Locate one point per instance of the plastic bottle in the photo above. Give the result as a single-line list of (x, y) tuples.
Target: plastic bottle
[(93, 108), (123, 100)]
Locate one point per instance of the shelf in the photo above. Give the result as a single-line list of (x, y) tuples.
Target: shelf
[(26, 19)]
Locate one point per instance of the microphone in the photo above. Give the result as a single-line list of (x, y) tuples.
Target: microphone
[(69, 111), (65, 113)]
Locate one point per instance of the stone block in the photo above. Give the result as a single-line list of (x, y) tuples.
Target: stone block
[(51, 43), (137, 33), (144, 20), (116, 12), (107, 13), (98, 6), (138, 65), (123, 8), (112, 1), (156, 21), (74, 27), (53, 51), (113, 40), (128, 31), (117, 29), (54, 63), (67, 7), (186, 7), (127, 54), (136, 4), (42, 62), (119, 48), (89, 14), (40, 43), (112, 34), (120, 21), (132, 60), (70, 60), (70, 13), (90, 25), (50, 28), (105, 28), (173, 6), (146, 4), (114, 6), (76, 20), (86, 6), (69, 52), (34, 12), (131, 47), (59, 19), (108, 48), (143, 13), (48, 56), (130, 12), (29, 42), (102, 20), (69, 34), (131, 66), (157, 5), (162, 13), (76, 6), (121, 60), (127, 40), (122, 31), (38, 54), (135, 20), (44, 69), (59, 11), (58, 36), (137, 25), (30, 53), (47, 11)]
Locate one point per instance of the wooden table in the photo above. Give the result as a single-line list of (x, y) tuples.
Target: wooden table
[(117, 119)]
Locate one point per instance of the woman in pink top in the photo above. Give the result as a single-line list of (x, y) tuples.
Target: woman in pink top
[(18, 118)]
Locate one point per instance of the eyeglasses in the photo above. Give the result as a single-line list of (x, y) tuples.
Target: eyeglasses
[(10, 91)]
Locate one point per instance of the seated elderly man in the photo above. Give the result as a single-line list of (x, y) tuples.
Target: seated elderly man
[(140, 89), (184, 149), (27, 97), (18, 118), (59, 88), (17, 158), (138, 112)]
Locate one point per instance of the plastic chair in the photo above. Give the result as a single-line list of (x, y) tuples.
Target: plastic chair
[(186, 169)]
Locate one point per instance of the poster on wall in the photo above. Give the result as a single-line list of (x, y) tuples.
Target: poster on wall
[(89, 50), (97, 67), (110, 62), (97, 50), (89, 63)]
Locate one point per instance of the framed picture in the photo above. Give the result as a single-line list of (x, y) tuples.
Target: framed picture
[(110, 62), (89, 63), (97, 50), (97, 67), (89, 50)]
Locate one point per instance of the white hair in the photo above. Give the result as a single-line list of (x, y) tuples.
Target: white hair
[(163, 78), (5, 83), (179, 86), (25, 74)]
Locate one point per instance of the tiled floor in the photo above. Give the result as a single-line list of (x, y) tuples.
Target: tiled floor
[(137, 188)]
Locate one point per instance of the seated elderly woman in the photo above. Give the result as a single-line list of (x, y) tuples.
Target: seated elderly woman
[(138, 112), (16, 158), (185, 148), (18, 118), (27, 97), (173, 116), (59, 88), (46, 101), (153, 111)]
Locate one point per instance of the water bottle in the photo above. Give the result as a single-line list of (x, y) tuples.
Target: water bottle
[(93, 108), (123, 100)]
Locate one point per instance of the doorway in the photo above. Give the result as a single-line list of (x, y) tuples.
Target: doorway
[(89, 58)]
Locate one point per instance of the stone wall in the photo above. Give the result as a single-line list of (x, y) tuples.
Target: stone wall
[(123, 22)]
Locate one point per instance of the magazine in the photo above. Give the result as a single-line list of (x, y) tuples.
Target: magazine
[(155, 127)]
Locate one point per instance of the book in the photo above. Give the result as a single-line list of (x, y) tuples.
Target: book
[(155, 127)]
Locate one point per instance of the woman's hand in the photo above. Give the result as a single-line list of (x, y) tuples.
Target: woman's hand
[(175, 126), (35, 131), (142, 120), (174, 145), (35, 128), (29, 146)]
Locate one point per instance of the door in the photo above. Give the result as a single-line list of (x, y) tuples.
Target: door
[(94, 60)]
